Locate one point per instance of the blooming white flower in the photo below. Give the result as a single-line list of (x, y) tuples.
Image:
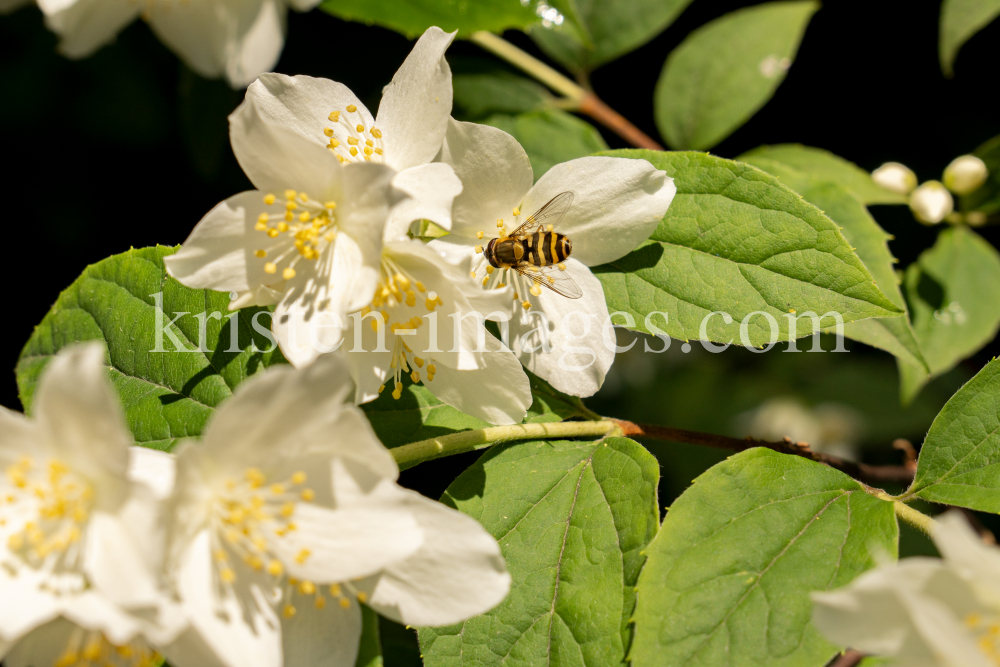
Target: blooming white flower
[(78, 570), (617, 204), (923, 612), (329, 178), (965, 174), (931, 203), (237, 39), (287, 515), (895, 177)]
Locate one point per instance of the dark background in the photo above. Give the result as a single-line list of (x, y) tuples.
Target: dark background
[(128, 148)]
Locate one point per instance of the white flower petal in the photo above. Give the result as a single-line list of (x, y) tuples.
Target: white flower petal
[(348, 543), (79, 410), (275, 157), (416, 105), (86, 25), (457, 573), (116, 565), (617, 204), (302, 104), (236, 39), (233, 632), (153, 468), (326, 637), (34, 606), (265, 295), (218, 254), (967, 554), (499, 392), (284, 414), (18, 436), (579, 359), (43, 646), (432, 189), (495, 173)]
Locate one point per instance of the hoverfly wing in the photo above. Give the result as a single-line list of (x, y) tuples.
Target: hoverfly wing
[(553, 278), (551, 213)]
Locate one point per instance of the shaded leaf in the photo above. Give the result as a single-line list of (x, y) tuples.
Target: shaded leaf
[(987, 197), (412, 17), (481, 94), (726, 70), (960, 20), (735, 240), (370, 646), (550, 137), (728, 576), (572, 519), (953, 290)]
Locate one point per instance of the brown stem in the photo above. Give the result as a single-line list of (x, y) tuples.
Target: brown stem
[(860, 471), (591, 105), (848, 658)]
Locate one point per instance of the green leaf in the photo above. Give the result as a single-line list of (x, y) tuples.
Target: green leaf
[(412, 17), (726, 70), (550, 137), (892, 334), (825, 166), (481, 94), (953, 290), (987, 197), (599, 31), (370, 647), (572, 519), (729, 574), (419, 415), (167, 395), (960, 20), (959, 461), (736, 240)]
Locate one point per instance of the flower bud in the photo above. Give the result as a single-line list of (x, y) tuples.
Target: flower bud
[(895, 177), (931, 202), (965, 174)]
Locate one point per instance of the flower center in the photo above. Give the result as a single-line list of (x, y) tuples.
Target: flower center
[(987, 632), (493, 278), (92, 649), (296, 588), (350, 140), (248, 514), (395, 295), (311, 224), (44, 509)]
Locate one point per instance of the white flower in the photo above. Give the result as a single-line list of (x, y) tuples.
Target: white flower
[(309, 239), (616, 206), (78, 540), (923, 612), (965, 174), (237, 39), (287, 515), (423, 296), (931, 203), (895, 177)]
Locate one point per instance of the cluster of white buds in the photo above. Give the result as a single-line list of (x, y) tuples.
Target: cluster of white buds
[(932, 201)]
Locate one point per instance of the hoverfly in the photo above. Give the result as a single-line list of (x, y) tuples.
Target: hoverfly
[(536, 252)]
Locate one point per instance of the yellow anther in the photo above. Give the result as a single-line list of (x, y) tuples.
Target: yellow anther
[(287, 509), (369, 142), (368, 151), (354, 151), (270, 267), (381, 388), (335, 116), (299, 477), (291, 206), (275, 568), (353, 141), (397, 391), (277, 489), (415, 376), (302, 556), (419, 362), (360, 127), (334, 143), (288, 273), (273, 232), (335, 590), (330, 205), (420, 286), (432, 369), (377, 133), (499, 223), (548, 228), (328, 131), (227, 575), (562, 267), (479, 249), (320, 601), (282, 227), (517, 211), (304, 216), (307, 588), (92, 651), (526, 304), (263, 217), (255, 477), (479, 235), (489, 269), (269, 199), (472, 273), (378, 151), (536, 290), (289, 216), (342, 159), (486, 280), (260, 253), (411, 298), (288, 611), (220, 555), (260, 226), (362, 597), (290, 194), (255, 562), (345, 603), (351, 108), (307, 494)]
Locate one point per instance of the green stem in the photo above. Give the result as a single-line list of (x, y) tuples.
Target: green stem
[(467, 441), (917, 519), (499, 46)]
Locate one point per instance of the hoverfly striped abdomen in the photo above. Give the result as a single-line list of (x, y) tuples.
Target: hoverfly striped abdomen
[(546, 248)]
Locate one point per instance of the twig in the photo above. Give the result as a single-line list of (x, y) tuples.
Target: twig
[(848, 658), (860, 471), (575, 96)]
